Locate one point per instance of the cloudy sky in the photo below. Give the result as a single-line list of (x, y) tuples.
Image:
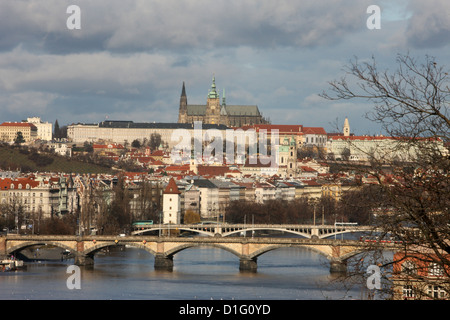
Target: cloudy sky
[(130, 57)]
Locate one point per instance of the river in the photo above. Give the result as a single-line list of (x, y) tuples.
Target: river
[(201, 273)]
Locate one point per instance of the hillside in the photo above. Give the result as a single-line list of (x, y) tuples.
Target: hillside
[(13, 158)]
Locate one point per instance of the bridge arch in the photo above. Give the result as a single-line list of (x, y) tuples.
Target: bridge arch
[(185, 246), (266, 249), (27, 244), (101, 245)]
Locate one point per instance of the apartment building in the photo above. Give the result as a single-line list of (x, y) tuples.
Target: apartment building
[(47, 196)]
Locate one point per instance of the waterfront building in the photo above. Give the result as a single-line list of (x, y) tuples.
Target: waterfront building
[(420, 275), (41, 195)]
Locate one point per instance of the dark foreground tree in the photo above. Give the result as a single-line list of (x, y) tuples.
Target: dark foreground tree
[(411, 104)]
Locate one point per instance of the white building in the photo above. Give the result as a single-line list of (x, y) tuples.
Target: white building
[(364, 148), (61, 148), (44, 129), (172, 204), (128, 131), (314, 136)]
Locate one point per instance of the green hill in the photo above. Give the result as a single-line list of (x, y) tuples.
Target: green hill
[(14, 158)]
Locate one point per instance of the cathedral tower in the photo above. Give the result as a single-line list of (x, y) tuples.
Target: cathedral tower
[(213, 105)]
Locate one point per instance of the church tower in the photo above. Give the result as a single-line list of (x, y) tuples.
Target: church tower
[(346, 128), (182, 114), (291, 169), (212, 114)]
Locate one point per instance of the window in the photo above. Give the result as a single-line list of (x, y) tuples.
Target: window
[(408, 291), (436, 292), (435, 270), (409, 268)]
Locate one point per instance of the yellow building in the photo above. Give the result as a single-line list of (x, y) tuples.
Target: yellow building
[(9, 131)]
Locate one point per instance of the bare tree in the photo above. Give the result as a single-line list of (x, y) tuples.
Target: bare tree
[(412, 106)]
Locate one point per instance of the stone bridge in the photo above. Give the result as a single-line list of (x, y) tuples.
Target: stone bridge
[(164, 248)]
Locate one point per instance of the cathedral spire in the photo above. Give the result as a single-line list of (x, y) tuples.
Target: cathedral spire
[(183, 91), (182, 113), (223, 98)]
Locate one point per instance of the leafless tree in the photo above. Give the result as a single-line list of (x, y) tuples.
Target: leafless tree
[(411, 104)]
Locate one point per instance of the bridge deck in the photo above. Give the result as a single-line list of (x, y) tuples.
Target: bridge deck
[(307, 231)]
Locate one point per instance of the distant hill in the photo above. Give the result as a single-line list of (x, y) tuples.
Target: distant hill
[(15, 158)]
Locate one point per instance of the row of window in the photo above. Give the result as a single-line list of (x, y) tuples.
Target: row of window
[(433, 291), (21, 194), (434, 269)]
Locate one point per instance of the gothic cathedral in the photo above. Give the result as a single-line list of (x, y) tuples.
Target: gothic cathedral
[(215, 112)]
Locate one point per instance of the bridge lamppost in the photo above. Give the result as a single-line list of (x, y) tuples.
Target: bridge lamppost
[(314, 202), (160, 213)]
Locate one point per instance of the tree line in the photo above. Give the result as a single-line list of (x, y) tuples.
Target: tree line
[(352, 207)]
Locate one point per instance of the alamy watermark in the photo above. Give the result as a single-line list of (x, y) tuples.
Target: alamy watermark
[(374, 280), (230, 146), (74, 20), (74, 280), (374, 20)]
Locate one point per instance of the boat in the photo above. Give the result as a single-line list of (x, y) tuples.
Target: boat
[(11, 265)]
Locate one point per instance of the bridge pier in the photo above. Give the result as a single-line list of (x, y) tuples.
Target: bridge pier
[(163, 262), (338, 266), (84, 260), (248, 265), (3, 253)]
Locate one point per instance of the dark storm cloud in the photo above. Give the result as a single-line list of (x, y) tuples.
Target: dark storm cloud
[(176, 25), (429, 24), (130, 57)]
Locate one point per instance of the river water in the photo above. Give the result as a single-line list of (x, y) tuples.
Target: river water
[(201, 273)]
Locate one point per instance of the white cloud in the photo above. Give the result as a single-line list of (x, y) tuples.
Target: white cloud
[(26, 102)]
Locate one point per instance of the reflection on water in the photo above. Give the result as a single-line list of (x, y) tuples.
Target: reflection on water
[(199, 273)]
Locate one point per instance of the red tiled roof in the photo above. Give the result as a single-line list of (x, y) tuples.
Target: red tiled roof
[(212, 170), (5, 184), (18, 124), (172, 187), (314, 130), (282, 128), (108, 146), (308, 169)]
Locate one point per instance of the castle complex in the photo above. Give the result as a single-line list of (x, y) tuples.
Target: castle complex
[(215, 112)]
